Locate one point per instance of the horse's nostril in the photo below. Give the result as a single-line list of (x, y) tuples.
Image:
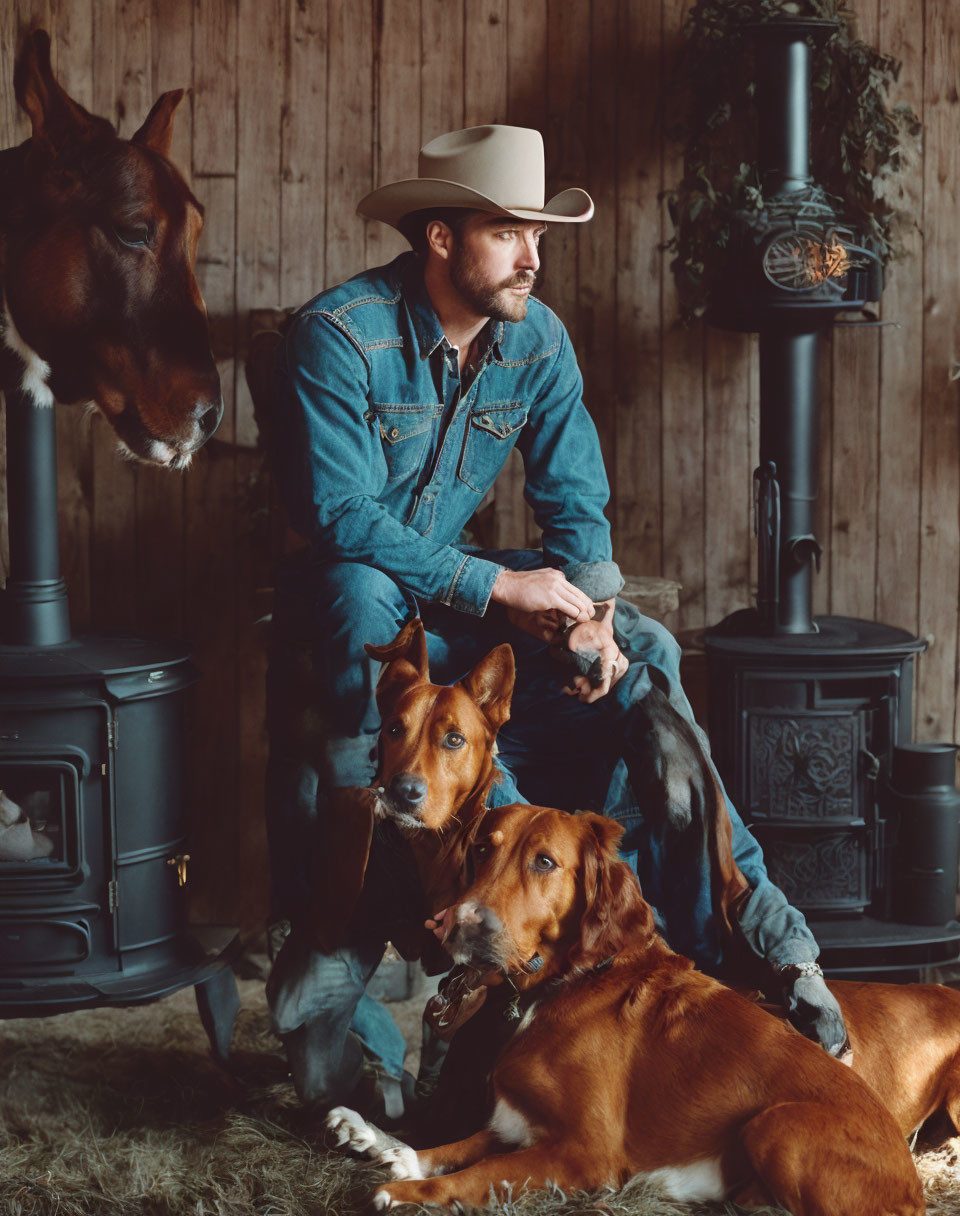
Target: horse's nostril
[(409, 788), (208, 414)]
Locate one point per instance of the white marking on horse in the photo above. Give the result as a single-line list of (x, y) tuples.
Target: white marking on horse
[(36, 371), (510, 1125), (700, 1180)]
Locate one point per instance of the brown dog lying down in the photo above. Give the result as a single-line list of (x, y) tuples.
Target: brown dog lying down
[(629, 1062)]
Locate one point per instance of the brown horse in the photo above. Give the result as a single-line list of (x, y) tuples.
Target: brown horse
[(98, 242)]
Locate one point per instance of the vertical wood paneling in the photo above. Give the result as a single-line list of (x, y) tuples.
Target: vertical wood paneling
[(851, 544), (727, 474), (682, 449), (299, 108), (349, 135), (397, 88), (513, 522), (304, 170), (260, 96), (940, 494), (160, 507), (121, 92), (72, 49), (213, 606), (901, 356), (441, 67), (637, 278)]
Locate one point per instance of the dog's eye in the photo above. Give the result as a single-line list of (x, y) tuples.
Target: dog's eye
[(543, 862), (453, 739), (395, 730)]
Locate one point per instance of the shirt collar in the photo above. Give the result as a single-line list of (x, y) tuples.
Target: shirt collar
[(426, 324)]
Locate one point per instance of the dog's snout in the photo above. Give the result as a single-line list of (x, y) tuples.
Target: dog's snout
[(479, 918), (409, 788)]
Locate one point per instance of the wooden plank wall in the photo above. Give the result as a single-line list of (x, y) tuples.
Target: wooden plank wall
[(298, 108)]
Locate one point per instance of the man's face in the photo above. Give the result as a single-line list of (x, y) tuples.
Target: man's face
[(494, 265)]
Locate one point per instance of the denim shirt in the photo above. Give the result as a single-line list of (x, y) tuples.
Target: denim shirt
[(382, 453)]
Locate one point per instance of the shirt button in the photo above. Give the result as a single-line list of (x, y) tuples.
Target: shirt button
[(394, 433), (485, 420), (428, 498)]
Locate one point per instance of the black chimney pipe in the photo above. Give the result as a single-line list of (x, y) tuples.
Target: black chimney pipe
[(787, 479), (33, 605)]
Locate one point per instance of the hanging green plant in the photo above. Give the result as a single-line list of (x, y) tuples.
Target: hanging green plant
[(859, 143)]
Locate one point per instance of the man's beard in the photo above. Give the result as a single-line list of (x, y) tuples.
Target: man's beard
[(485, 298)]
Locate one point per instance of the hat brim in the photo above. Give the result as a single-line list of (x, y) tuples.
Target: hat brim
[(392, 202)]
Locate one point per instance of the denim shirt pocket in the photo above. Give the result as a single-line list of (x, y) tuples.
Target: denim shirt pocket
[(405, 433), (491, 433)]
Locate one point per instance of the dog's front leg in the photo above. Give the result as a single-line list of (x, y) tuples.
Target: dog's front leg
[(534, 1167)]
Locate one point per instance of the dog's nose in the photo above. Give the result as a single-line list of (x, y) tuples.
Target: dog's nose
[(409, 788), (478, 918)]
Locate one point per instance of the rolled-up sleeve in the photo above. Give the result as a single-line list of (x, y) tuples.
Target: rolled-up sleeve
[(330, 469), (566, 484)]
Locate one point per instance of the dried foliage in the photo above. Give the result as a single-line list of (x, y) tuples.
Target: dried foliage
[(859, 143), (121, 1112)]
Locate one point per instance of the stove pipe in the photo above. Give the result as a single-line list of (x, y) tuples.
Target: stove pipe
[(786, 481), (33, 605)]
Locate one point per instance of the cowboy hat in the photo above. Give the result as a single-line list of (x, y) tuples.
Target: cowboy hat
[(492, 168)]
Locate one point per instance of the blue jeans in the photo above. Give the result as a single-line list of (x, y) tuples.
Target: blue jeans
[(556, 750)]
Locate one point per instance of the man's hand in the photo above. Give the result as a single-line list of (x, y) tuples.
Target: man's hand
[(540, 591), (814, 1010), (596, 635)]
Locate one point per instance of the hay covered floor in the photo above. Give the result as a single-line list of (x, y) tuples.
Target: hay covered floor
[(121, 1112)]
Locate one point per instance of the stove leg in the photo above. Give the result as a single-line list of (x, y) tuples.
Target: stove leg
[(218, 1001)]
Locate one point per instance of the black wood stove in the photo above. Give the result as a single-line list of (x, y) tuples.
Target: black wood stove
[(93, 822), (805, 713)]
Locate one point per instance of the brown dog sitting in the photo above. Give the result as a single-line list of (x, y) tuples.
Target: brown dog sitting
[(435, 769), (380, 857), (626, 1061)]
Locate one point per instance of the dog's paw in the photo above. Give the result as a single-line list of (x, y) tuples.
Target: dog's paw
[(350, 1130), (383, 1200), (401, 1160)]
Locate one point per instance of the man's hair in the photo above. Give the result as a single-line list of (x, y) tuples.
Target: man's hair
[(414, 225)]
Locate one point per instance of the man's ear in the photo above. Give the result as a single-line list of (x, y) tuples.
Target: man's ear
[(56, 119), (406, 662), (490, 684)]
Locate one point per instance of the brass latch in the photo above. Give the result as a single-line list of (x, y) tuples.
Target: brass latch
[(180, 861)]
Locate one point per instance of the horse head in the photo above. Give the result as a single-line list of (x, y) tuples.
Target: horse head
[(98, 243)]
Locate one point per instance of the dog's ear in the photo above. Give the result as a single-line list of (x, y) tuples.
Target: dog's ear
[(616, 913), (406, 664), (681, 797), (341, 850), (490, 684)]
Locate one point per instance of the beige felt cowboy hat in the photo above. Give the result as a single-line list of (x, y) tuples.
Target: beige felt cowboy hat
[(492, 168)]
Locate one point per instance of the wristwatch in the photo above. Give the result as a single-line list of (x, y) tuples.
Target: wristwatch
[(793, 971)]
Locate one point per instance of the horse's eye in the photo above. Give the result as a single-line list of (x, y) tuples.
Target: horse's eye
[(136, 236), (395, 730), (481, 850), (543, 862), (453, 739)]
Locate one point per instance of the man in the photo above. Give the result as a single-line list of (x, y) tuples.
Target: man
[(401, 394)]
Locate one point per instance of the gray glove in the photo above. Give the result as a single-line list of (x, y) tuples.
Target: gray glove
[(812, 1008)]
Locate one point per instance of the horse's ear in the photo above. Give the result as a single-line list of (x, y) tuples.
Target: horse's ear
[(406, 662), (157, 130), (55, 118)]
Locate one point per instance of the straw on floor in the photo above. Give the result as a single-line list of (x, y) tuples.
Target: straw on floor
[(122, 1112)]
